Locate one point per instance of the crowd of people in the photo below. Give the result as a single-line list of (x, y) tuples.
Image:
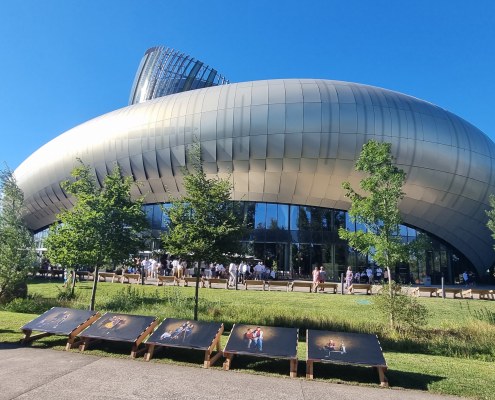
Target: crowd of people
[(177, 267), (369, 275)]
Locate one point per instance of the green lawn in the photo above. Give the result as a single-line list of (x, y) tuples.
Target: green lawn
[(454, 354)]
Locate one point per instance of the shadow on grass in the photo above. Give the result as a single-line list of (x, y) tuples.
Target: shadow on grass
[(369, 375), (108, 348)]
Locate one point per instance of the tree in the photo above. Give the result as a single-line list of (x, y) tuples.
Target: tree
[(17, 252), (204, 224), (491, 222), (105, 225), (379, 210)]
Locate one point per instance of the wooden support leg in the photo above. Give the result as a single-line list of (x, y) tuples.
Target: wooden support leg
[(72, 343), (150, 348), (28, 338), (383, 378), (293, 368), (136, 351), (309, 369), (84, 344), (228, 361)]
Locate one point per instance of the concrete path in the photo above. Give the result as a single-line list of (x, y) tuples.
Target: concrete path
[(40, 374)]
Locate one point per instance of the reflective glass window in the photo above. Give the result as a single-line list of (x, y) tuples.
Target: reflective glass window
[(339, 220), (294, 218), (157, 217), (283, 216), (349, 224), (260, 216), (316, 218), (271, 216), (249, 213)]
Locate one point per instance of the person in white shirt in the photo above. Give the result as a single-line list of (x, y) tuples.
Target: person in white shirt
[(175, 267), (378, 274), (232, 274), (145, 265), (153, 272), (219, 269), (369, 274), (258, 270)]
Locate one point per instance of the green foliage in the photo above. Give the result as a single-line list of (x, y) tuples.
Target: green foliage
[(379, 210), (484, 314), (66, 293), (204, 224), (127, 299), (104, 226), (17, 253), (36, 304), (408, 314), (491, 220)]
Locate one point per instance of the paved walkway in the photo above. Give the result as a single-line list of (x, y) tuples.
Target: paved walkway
[(28, 373)]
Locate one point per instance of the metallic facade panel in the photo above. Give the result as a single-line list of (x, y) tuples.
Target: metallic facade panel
[(290, 141)]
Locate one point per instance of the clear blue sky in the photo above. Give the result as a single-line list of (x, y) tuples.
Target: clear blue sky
[(63, 62)]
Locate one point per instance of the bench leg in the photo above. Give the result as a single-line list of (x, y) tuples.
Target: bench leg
[(150, 348), (309, 369), (228, 361), (383, 378), (293, 368)]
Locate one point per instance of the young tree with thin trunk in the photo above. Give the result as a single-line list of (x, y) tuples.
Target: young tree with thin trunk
[(491, 223), (17, 251), (376, 206), (105, 225), (204, 224)]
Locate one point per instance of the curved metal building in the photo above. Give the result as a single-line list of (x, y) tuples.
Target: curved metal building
[(290, 141)]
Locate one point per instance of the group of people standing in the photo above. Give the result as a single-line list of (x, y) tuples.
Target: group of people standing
[(368, 276), (319, 276)]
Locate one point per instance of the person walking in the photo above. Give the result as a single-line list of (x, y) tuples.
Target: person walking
[(322, 277), (348, 277), (316, 278)]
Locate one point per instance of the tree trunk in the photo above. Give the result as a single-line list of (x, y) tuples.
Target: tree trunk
[(93, 291), (196, 293), (73, 285), (391, 294)]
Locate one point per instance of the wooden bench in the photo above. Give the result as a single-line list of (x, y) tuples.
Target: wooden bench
[(327, 285), (360, 286), (254, 282), (85, 274), (162, 280), (278, 284), (424, 289), (105, 275), (219, 281), (302, 284), (128, 277), (191, 280), (56, 273), (483, 294), (453, 291)]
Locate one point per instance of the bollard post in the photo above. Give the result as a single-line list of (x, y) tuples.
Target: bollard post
[(443, 289), (341, 283)]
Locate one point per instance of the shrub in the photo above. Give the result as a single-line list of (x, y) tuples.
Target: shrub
[(35, 304), (405, 313)]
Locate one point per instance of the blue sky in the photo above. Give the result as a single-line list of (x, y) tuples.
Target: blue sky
[(64, 62)]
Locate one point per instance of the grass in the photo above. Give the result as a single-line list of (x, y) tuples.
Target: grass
[(453, 354)]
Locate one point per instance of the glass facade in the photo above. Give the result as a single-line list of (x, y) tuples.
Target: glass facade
[(296, 238), (165, 71)]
